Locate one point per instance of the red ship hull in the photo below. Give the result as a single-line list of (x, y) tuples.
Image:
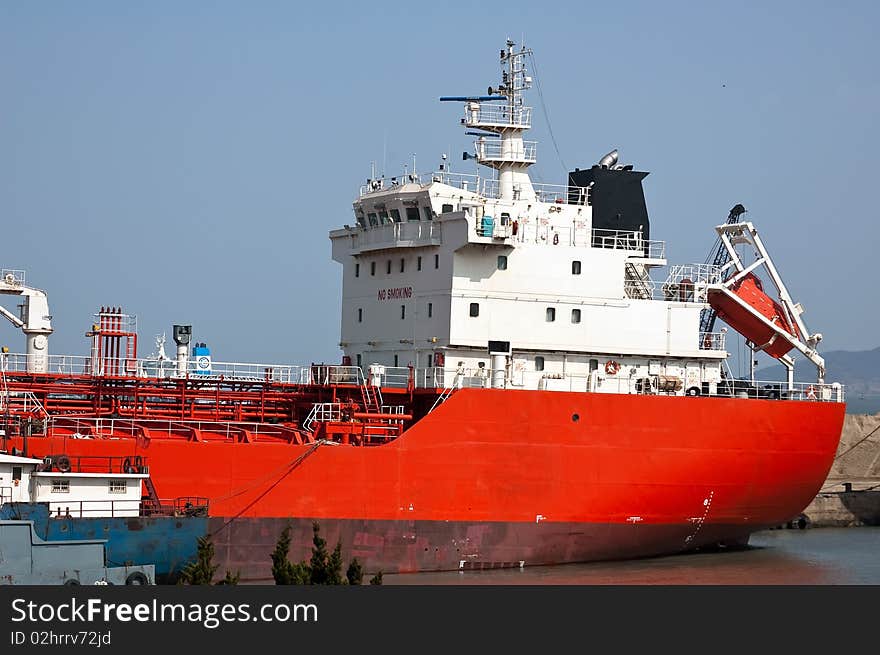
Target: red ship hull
[(497, 478)]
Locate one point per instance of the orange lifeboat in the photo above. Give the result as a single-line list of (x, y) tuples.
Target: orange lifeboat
[(751, 291)]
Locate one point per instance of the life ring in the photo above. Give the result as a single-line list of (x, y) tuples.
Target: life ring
[(811, 393), (556, 239), (63, 463), (611, 367)]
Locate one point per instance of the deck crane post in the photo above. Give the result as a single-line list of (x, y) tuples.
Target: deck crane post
[(34, 318)]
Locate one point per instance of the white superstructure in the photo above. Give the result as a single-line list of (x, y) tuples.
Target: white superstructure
[(438, 267)]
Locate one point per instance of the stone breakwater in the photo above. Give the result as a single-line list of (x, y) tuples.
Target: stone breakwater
[(850, 496)]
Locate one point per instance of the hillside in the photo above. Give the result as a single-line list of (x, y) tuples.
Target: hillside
[(858, 370)]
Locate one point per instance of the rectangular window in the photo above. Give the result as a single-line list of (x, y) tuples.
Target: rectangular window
[(475, 309), (395, 216), (395, 361), (575, 267), (383, 217), (374, 220), (16, 473), (402, 264), (358, 356), (419, 263), (502, 262), (551, 314), (446, 209), (402, 312), (412, 213), (436, 261), (430, 309), (429, 213), (357, 270), (539, 363), (116, 487), (594, 364), (60, 486), (388, 268), (575, 316), (430, 360), (360, 315), (372, 268)]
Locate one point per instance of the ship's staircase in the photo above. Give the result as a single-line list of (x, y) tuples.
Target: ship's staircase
[(637, 282), (442, 398), (372, 396), (150, 503), (21, 404)]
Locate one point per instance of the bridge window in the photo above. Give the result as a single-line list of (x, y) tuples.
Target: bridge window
[(60, 486), (388, 267), (372, 268), (430, 309), (357, 270), (360, 315), (575, 316), (402, 264), (419, 263), (116, 487), (373, 219), (429, 213), (539, 363), (412, 213), (502, 262), (395, 216), (446, 209), (383, 217), (475, 309), (576, 267), (551, 314)]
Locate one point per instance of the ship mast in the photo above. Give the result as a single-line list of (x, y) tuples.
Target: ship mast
[(499, 144)]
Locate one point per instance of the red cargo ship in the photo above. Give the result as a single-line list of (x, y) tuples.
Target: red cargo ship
[(514, 388)]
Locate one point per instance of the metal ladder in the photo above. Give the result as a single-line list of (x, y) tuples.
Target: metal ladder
[(372, 397), (639, 284), (152, 502), (442, 398)]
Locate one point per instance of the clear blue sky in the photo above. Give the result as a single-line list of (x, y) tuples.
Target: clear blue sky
[(185, 160)]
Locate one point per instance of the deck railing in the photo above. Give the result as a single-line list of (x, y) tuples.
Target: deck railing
[(407, 377)]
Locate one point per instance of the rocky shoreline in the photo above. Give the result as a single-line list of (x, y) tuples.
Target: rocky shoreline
[(850, 496)]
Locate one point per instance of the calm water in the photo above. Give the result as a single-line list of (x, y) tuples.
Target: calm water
[(819, 556)]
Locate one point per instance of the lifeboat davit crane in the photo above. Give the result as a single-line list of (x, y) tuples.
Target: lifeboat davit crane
[(774, 327)]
